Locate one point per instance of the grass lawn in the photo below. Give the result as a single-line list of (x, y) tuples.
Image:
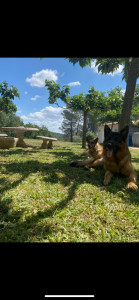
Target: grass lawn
[(43, 199)]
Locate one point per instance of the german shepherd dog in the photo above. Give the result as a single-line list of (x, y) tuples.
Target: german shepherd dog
[(117, 158), (94, 156)]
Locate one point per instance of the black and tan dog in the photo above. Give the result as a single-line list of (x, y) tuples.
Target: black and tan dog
[(94, 156), (117, 158)]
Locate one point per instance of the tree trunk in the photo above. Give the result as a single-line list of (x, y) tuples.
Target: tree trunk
[(77, 129), (133, 72), (71, 132), (84, 129)]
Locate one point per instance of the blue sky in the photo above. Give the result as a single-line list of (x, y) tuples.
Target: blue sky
[(28, 75)]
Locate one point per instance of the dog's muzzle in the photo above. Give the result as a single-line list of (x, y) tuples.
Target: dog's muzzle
[(109, 149)]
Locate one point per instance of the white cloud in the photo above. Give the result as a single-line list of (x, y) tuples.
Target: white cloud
[(117, 72), (49, 116), (35, 97), (26, 92), (24, 117), (74, 83), (38, 79)]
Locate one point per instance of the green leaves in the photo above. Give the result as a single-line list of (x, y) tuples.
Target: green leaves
[(55, 92), (110, 106), (104, 106), (8, 94), (83, 61), (108, 65)]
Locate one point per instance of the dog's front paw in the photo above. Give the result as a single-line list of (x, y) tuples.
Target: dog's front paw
[(106, 181), (132, 185), (108, 177)]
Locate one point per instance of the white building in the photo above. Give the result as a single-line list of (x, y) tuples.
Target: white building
[(113, 126)]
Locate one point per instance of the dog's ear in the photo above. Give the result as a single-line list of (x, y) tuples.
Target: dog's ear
[(124, 132), (96, 140), (107, 130)]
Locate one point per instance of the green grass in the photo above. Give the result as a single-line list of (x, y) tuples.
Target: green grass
[(43, 199)]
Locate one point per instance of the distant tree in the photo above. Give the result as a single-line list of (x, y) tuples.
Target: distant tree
[(79, 126), (31, 134), (10, 120), (57, 135), (13, 120), (70, 124), (43, 130), (7, 95), (92, 123)]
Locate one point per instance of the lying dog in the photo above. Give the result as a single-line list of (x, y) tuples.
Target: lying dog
[(94, 156), (117, 158)]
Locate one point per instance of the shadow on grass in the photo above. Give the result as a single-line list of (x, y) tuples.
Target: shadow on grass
[(25, 151), (72, 177), (29, 227)]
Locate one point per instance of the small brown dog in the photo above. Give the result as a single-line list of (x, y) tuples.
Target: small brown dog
[(117, 158), (94, 156)]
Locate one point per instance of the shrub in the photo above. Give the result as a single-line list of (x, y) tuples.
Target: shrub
[(90, 135), (77, 139)]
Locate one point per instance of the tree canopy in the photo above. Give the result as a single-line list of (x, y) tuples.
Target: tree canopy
[(130, 74), (56, 93), (110, 109), (105, 65), (79, 102), (7, 95)]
